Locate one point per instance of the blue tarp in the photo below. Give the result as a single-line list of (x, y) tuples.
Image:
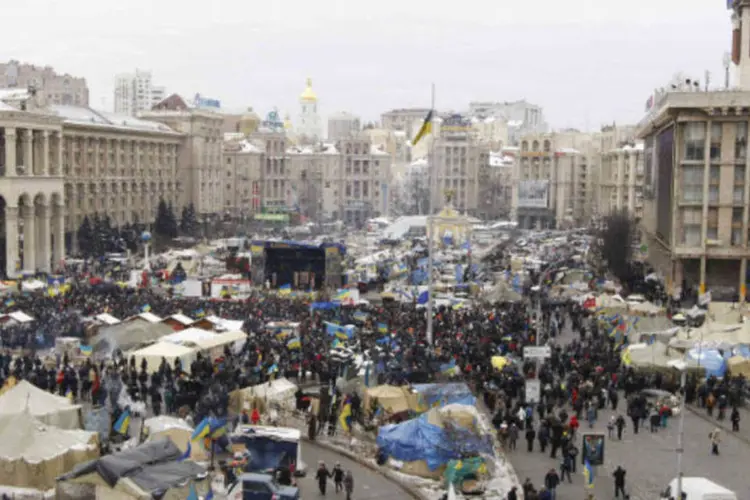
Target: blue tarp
[(709, 359), (417, 439), (444, 394)]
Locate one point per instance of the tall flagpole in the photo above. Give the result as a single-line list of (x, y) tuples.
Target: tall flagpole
[(430, 236)]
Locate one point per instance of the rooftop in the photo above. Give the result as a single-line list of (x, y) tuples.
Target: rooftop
[(666, 104), (79, 115)]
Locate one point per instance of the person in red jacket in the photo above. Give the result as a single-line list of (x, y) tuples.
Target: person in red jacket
[(574, 424), (255, 416)]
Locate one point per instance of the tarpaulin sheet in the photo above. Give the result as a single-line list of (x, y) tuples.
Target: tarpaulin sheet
[(417, 439), (444, 394)]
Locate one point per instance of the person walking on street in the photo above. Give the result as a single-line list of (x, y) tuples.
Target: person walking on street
[(620, 424), (551, 481), (338, 477), (349, 484), (735, 418), (530, 436), (565, 468), (322, 476), (715, 437), (512, 436), (619, 475)]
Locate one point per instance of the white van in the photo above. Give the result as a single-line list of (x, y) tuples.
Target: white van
[(699, 488)]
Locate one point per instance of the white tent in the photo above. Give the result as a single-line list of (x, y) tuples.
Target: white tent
[(33, 454), (154, 353), (188, 336), (46, 407)]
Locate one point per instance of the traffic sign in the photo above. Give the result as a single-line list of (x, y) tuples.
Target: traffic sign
[(537, 352)]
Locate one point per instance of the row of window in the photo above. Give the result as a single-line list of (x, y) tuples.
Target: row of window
[(694, 141)]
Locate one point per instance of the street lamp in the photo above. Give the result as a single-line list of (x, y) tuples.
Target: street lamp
[(146, 239), (680, 366)]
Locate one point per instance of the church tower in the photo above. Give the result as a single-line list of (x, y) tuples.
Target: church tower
[(309, 120)]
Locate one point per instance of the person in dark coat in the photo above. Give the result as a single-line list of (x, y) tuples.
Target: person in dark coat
[(619, 475), (530, 436), (322, 476)]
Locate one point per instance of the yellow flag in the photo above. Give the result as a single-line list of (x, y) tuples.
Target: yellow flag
[(425, 129)]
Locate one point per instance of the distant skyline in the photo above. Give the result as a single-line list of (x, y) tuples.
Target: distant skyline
[(587, 63)]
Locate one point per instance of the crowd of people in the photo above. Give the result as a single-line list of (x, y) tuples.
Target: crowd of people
[(581, 377)]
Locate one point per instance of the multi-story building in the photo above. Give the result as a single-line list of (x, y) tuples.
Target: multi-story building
[(342, 126), (496, 188), (58, 89), (697, 176), (70, 162), (521, 117), (243, 179), (362, 180), (554, 186), (310, 166), (135, 92), (407, 119), (201, 177), (459, 163), (621, 181)]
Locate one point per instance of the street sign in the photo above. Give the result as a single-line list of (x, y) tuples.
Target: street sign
[(537, 352), (533, 391)]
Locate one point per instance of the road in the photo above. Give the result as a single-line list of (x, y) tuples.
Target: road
[(649, 459), (368, 484)]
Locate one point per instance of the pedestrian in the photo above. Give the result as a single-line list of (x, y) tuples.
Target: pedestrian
[(530, 436), (512, 436), (611, 427), (349, 484), (338, 477), (619, 475), (620, 423), (551, 481), (322, 476), (565, 468), (735, 418), (512, 495), (715, 437)]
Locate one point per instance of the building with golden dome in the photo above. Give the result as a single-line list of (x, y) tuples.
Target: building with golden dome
[(309, 129), (249, 122)]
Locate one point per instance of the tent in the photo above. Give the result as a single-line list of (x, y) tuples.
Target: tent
[(280, 391), (33, 454), (426, 444), (178, 431), (42, 405), (391, 398), (154, 353), (151, 470)]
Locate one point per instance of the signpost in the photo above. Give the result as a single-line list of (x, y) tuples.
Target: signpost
[(537, 352)]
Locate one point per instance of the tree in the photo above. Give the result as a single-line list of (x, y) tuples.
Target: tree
[(172, 225), (165, 222), (615, 245), (188, 220), (85, 236)]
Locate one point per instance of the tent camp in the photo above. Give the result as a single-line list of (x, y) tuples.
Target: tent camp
[(46, 407), (152, 470), (127, 336), (391, 398), (33, 454)]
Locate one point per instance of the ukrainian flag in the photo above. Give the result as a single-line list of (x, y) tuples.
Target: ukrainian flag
[(273, 369), (10, 303), (588, 474), (382, 328), (87, 350), (200, 313), (449, 368), (122, 424), (425, 129), (345, 419), (218, 428), (342, 295), (202, 430), (294, 343), (285, 290), (337, 343), (145, 308)]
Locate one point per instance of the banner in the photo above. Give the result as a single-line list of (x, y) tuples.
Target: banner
[(533, 194)]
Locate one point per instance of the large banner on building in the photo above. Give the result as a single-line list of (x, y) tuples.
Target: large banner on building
[(533, 194)]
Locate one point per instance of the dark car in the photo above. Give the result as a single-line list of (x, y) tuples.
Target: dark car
[(251, 486)]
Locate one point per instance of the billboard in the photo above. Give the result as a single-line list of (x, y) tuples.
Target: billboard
[(533, 194), (203, 102)]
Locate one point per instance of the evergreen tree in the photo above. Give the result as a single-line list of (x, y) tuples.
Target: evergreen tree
[(173, 229), (189, 221), (161, 225), (85, 234)]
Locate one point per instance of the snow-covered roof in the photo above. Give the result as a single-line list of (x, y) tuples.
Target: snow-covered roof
[(5, 107), (515, 123), (568, 151), (107, 319), (249, 147), (233, 136), (182, 319), (399, 133), (150, 317), (498, 159), (419, 163), (15, 94), (401, 226), (80, 115), (377, 150)]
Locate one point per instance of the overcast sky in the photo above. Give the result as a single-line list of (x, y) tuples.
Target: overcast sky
[(587, 62)]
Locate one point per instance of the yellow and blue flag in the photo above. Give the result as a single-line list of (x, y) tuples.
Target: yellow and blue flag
[(123, 423), (345, 419), (87, 350), (145, 308), (588, 474), (424, 130), (342, 295), (10, 303), (285, 290), (188, 452), (202, 430), (382, 328)]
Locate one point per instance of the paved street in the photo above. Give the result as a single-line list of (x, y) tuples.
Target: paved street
[(367, 484), (649, 459)]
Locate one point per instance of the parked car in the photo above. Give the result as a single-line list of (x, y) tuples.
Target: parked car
[(252, 486)]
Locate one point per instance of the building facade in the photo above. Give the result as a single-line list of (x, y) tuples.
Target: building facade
[(58, 89), (343, 125), (621, 177), (201, 177), (136, 92), (521, 117), (696, 199), (243, 179)]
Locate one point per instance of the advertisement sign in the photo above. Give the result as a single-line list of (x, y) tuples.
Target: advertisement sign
[(204, 102), (592, 449), (537, 352), (533, 390), (533, 194), (230, 289)]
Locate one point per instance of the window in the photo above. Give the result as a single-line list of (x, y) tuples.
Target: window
[(714, 183), (737, 226), (740, 141), (716, 141), (712, 224), (695, 141), (691, 226), (692, 184)]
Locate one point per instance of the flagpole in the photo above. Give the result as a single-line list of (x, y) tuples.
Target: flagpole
[(430, 236)]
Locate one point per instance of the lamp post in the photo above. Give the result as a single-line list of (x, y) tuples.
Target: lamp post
[(146, 239), (681, 366)]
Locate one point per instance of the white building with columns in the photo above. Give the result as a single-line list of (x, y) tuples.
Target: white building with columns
[(31, 189)]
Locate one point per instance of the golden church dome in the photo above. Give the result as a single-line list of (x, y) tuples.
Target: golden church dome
[(287, 123), (308, 95), (249, 122)]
